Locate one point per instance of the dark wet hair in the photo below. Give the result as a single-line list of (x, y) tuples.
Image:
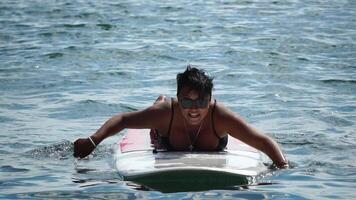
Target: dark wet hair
[(195, 79)]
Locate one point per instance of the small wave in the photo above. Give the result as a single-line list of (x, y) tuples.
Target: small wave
[(54, 55), (167, 57), (299, 139), (297, 143), (64, 150), (171, 8), (11, 70), (46, 34), (337, 121), (339, 81), (86, 108), (59, 151), (302, 59), (74, 25), (4, 119), (93, 192), (16, 106), (105, 27), (120, 73), (332, 118), (86, 15), (9, 168)]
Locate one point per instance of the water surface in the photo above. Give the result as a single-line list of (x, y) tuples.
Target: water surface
[(288, 67)]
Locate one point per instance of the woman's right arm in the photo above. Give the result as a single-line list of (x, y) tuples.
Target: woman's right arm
[(149, 118)]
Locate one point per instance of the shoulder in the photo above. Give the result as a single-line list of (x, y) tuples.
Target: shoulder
[(221, 111), (161, 113), (162, 106), (153, 116), (225, 117)]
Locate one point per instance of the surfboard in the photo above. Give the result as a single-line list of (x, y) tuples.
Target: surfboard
[(176, 171)]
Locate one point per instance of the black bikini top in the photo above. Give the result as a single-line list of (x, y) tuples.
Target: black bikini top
[(164, 141)]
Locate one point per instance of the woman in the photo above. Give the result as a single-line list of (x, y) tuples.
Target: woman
[(193, 121)]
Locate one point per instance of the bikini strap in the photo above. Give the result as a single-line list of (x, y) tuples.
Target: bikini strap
[(212, 119), (170, 123)]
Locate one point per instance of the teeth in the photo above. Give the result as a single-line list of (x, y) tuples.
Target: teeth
[(194, 115)]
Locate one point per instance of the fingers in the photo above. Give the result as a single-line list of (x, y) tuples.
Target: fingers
[(284, 166), (76, 153), (77, 150), (82, 148)]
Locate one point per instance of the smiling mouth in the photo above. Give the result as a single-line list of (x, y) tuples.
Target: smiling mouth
[(194, 115)]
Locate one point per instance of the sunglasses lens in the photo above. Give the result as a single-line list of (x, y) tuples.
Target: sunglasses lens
[(200, 103), (186, 103)]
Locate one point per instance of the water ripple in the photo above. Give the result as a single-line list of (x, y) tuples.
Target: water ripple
[(288, 67), (11, 169)]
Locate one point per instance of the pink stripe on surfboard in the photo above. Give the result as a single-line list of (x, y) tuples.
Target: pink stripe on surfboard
[(136, 139)]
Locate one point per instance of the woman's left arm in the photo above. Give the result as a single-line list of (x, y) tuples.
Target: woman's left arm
[(238, 128)]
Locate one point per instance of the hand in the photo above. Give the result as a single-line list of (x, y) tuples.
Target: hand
[(283, 165), (82, 147)]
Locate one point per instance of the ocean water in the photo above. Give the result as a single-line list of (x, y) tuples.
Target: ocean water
[(287, 67)]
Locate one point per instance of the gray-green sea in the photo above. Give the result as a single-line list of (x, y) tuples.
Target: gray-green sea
[(287, 67)]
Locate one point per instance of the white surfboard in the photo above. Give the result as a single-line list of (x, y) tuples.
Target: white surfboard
[(172, 171)]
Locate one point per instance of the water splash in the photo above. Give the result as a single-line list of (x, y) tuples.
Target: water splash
[(59, 151), (64, 150)]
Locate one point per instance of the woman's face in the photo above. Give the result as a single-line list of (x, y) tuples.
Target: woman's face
[(193, 109)]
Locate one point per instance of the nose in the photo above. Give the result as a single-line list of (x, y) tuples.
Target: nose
[(195, 106)]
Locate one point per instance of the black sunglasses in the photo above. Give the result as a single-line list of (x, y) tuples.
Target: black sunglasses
[(188, 103)]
